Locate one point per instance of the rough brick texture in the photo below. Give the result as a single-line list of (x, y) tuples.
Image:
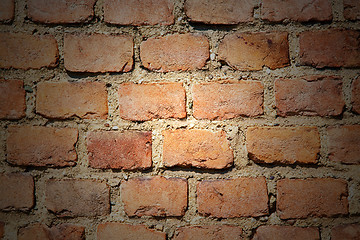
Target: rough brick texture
[(141, 102), (2, 230), (346, 232), (7, 8), (317, 197), (98, 53), (154, 196), (25, 51), (128, 150), (58, 232), (77, 197), (284, 145), (242, 197), (63, 100), (12, 99), (253, 51), (177, 52), (17, 192), (352, 9), (66, 11), (41, 146), (196, 148), (355, 98), (285, 233), (309, 96), (114, 231), (217, 101), (215, 232), (137, 13), (330, 48)]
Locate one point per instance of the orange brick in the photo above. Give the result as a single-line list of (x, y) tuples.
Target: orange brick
[(58, 232), (286, 232), (114, 230), (351, 9), (355, 99), (346, 232), (12, 99), (7, 9), (215, 232)]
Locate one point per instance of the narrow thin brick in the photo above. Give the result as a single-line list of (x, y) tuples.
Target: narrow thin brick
[(2, 230), (59, 232), (114, 231), (7, 9), (274, 232), (12, 99), (346, 232), (215, 232), (351, 9), (355, 99)]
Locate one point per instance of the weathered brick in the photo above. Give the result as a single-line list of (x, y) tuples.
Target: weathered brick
[(114, 230), (346, 232), (26, 51), (141, 102), (253, 51), (98, 53), (41, 146), (352, 9), (66, 11), (217, 101), (17, 192), (300, 11), (285, 145), (177, 52), (63, 100), (286, 232), (196, 148), (77, 197), (7, 8), (215, 232), (219, 12), (2, 230), (227, 198), (137, 13), (58, 232), (309, 96), (355, 99), (154, 196), (128, 150), (12, 99), (316, 197), (330, 48)]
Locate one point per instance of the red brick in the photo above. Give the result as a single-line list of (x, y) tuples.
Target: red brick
[(355, 99), (196, 148), (128, 150), (346, 232), (137, 13), (219, 12), (215, 232), (330, 48), (284, 145), (66, 11), (17, 192), (2, 230), (12, 99), (154, 196), (41, 146), (177, 52), (300, 11), (141, 102), (309, 96), (98, 53), (77, 197), (59, 232), (286, 232), (253, 51), (34, 232), (7, 8), (114, 230), (228, 198), (217, 101), (25, 51), (352, 9), (344, 144), (63, 100), (316, 197)]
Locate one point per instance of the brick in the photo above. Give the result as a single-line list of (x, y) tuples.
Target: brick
[(316, 197), (355, 99), (62, 100), (284, 145), (286, 232), (98, 53), (228, 198), (309, 96), (77, 197), (330, 48), (128, 150), (177, 52), (12, 99), (154, 196), (196, 148), (113, 230), (25, 51), (217, 101), (7, 9), (58, 232), (41, 146), (344, 144), (137, 13), (2, 230), (17, 192), (346, 232), (253, 51), (142, 102), (215, 232), (219, 12), (300, 11), (352, 9), (54, 11)]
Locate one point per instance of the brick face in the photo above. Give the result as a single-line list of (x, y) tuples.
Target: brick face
[(346, 232), (7, 8), (355, 98), (113, 230), (351, 9), (286, 232), (58, 232), (215, 232), (12, 99), (2, 230)]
